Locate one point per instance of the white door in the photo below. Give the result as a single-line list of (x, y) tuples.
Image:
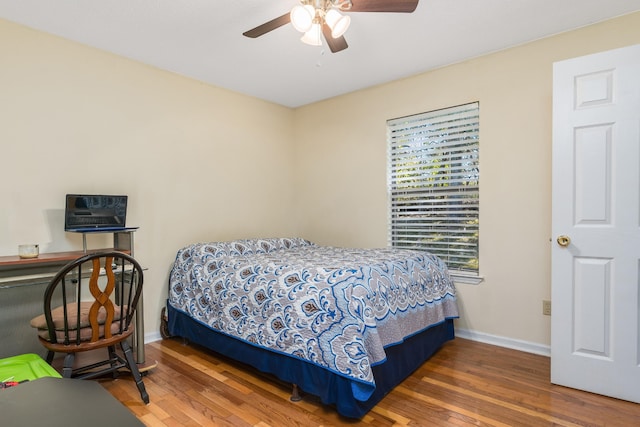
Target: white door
[(595, 323)]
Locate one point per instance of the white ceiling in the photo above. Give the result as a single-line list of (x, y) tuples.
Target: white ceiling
[(202, 39)]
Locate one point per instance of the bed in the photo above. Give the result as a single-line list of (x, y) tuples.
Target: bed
[(346, 325)]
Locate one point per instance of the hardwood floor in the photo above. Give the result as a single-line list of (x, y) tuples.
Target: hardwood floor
[(465, 383)]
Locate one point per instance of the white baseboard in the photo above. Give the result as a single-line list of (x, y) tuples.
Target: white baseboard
[(526, 346), (152, 336)]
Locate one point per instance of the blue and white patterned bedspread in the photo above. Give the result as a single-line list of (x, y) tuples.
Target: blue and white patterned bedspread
[(337, 308)]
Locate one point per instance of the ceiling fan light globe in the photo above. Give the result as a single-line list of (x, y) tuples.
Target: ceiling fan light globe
[(302, 17), (338, 23), (313, 37)]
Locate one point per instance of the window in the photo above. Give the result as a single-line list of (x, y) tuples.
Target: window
[(434, 186)]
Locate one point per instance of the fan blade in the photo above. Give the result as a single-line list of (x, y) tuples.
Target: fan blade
[(336, 45), (403, 6), (268, 26)]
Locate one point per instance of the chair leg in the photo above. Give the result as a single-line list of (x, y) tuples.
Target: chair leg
[(50, 356), (113, 360), (67, 368), (133, 367)]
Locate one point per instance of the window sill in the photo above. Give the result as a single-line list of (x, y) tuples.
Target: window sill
[(466, 279)]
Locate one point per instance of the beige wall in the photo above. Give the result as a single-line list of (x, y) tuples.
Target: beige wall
[(202, 163), (342, 199), (199, 163)]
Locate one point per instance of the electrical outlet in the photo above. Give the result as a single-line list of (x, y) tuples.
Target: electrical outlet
[(546, 307)]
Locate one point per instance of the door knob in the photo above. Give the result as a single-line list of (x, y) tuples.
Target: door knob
[(563, 241)]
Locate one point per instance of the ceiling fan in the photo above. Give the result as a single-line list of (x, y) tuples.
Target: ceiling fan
[(317, 18)]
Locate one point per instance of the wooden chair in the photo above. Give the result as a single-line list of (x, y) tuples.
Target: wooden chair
[(90, 305)]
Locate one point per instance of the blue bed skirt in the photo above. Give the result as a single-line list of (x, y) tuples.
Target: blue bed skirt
[(330, 387)]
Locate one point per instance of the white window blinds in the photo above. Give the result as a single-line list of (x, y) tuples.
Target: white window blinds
[(433, 184)]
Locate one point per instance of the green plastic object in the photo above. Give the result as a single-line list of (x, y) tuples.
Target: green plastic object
[(25, 367)]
